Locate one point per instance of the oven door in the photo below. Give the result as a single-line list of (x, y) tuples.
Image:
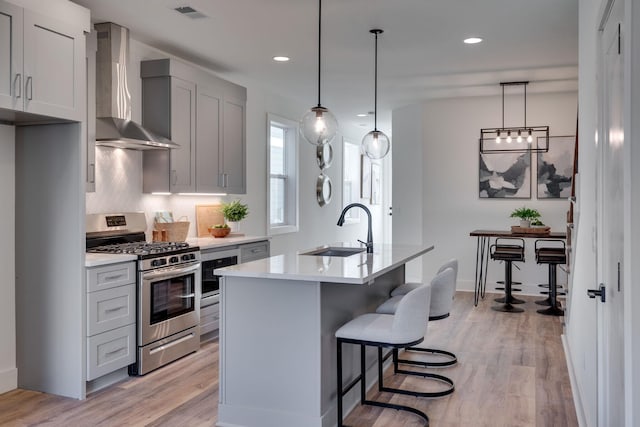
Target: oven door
[(169, 301)]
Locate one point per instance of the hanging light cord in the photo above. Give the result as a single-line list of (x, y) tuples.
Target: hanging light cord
[(375, 81), (319, 45)]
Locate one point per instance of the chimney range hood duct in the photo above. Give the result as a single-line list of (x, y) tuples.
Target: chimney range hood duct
[(114, 127)]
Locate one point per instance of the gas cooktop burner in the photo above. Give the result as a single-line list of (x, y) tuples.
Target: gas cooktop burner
[(140, 248)]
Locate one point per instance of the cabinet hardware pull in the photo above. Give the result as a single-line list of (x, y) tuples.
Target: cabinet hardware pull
[(174, 175), (188, 296), (92, 174), (114, 277), (29, 85), (115, 351), (17, 85), (111, 310)]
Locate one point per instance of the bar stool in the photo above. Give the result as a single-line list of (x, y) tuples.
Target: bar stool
[(508, 250), (443, 288), (405, 328), (552, 255), (409, 286)]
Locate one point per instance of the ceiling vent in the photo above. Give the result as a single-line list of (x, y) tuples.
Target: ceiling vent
[(190, 12)]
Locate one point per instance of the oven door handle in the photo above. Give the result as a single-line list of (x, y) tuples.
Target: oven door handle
[(170, 272)]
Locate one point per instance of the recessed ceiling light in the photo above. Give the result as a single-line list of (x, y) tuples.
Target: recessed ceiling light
[(281, 58), (472, 40), (362, 115)]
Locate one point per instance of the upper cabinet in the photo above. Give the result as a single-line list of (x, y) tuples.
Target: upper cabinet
[(206, 116), (42, 61)]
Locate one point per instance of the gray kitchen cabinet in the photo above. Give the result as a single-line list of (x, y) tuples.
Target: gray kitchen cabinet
[(111, 318), (90, 127), (43, 64), (254, 251), (10, 56), (214, 160), (168, 108)]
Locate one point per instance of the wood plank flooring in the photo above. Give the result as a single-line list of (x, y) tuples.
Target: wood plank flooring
[(511, 372)]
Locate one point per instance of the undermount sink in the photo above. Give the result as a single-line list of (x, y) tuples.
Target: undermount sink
[(335, 251)]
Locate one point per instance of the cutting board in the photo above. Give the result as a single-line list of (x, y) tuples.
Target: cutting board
[(206, 216)]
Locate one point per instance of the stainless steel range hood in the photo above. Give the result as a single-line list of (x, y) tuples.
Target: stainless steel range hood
[(114, 127)]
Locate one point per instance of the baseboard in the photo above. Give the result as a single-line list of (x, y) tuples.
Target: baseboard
[(527, 289), (8, 380), (577, 401)]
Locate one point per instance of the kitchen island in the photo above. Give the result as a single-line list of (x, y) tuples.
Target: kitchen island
[(278, 319)]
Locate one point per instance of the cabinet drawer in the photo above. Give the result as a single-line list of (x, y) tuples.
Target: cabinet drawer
[(110, 351), (209, 318), (254, 251), (110, 276), (110, 309)]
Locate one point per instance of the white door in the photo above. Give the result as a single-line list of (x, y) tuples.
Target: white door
[(611, 222)]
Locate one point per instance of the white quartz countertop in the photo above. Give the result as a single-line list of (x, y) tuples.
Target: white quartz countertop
[(95, 260), (359, 268), (220, 242)]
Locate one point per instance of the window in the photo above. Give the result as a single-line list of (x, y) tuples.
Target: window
[(283, 175), (351, 178)]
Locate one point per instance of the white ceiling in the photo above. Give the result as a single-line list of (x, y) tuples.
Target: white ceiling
[(420, 53)]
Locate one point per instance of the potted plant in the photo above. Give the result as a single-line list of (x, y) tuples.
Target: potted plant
[(526, 215), (234, 212)]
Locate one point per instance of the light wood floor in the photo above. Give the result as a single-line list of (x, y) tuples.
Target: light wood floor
[(511, 372)]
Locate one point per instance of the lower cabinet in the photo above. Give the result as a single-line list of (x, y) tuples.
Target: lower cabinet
[(210, 313), (111, 318), (209, 318)]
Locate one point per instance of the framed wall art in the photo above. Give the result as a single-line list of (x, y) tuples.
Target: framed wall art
[(555, 168), (505, 176)]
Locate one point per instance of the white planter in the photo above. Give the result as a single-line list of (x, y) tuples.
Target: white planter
[(234, 225), (525, 223)]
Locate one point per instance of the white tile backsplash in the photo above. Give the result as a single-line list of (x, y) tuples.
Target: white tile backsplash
[(119, 189)]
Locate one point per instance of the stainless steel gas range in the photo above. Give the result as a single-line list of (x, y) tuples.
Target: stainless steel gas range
[(168, 287)]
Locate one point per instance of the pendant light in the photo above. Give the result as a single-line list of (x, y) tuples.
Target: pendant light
[(375, 144), (319, 126), (536, 137)]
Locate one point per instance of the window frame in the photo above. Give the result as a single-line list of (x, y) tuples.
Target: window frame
[(291, 175)]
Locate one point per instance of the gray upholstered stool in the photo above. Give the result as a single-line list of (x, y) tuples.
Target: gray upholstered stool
[(443, 287), (409, 286), (405, 328)]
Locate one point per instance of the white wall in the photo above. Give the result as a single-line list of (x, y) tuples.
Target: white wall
[(119, 173), (581, 319), (8, 371), (446, 138)]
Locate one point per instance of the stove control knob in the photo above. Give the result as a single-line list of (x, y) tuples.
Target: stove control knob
[(192, 256), (156, 263), (174, 259), (185, 257)]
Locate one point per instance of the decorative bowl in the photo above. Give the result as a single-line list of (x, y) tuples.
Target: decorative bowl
[(219, 232)]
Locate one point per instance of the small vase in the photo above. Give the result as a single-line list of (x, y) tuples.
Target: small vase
[(525, 223)]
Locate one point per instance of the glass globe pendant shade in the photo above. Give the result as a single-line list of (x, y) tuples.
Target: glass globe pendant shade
[(375, 144), (318, 126)]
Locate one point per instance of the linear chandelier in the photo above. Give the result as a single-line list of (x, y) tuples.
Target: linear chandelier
[(520, 139)]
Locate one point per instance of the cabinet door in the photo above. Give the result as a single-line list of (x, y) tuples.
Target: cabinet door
[(54, 68), (232, 153), (183, 125), (11, 75), (208, 177), (90, 125)]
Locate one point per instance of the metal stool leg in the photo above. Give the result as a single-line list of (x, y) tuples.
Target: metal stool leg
[(507, 306), (553, 310)]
